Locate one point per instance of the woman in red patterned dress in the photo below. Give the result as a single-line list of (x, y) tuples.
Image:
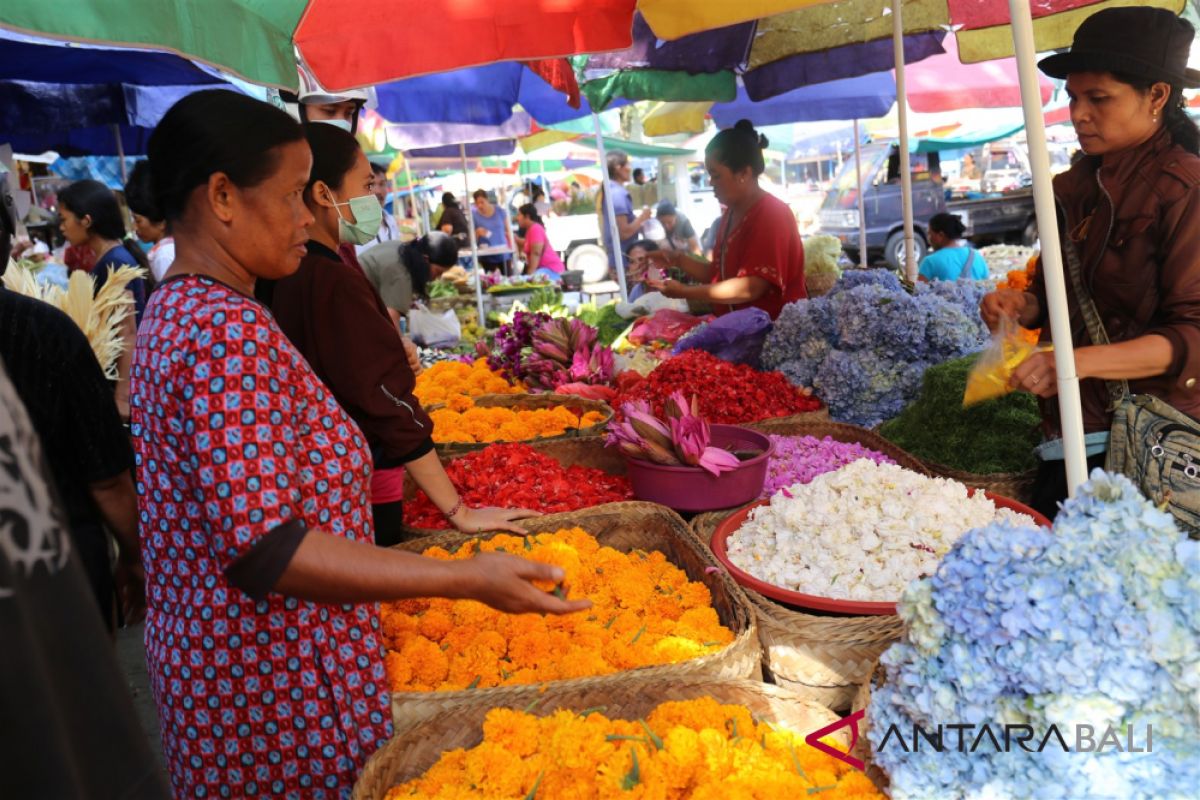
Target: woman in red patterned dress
[(758, 259), (261, 631)]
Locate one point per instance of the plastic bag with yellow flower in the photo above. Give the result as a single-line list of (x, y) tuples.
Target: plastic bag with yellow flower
[(993, 370)]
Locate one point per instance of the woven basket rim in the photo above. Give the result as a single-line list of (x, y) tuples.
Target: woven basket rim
[(742, 623), (375, 780)]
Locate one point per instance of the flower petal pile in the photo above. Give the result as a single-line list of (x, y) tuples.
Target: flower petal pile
[(865, 345), (727, 393), (1095, 622), (861, 533), (644, 612), (698, 749), (517, 476), (477, 424), (799, 459), (453, 384)]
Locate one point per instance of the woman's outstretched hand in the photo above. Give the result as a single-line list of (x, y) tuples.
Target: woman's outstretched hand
[(505, 582)]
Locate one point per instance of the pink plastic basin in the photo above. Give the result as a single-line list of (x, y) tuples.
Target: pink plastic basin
[(695, 489)]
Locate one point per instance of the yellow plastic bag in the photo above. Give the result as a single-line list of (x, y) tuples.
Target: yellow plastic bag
[(993, 370)]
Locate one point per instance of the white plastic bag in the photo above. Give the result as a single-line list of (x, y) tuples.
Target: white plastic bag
[(430, 329)]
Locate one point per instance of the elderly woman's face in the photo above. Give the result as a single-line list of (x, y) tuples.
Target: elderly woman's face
[(1110, 116), (267, 229)]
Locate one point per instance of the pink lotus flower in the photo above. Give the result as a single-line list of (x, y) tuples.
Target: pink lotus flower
[(691, 436), (716, 460)]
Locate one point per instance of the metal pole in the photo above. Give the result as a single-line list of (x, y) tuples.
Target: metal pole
[(910, 261), (508, 228), (1070, 409), (862, 206), (120, 152), (462, 154), (618, 258), (412, 198)]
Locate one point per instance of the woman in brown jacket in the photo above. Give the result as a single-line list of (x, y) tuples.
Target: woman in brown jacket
[(336, 319), (1132, 213)]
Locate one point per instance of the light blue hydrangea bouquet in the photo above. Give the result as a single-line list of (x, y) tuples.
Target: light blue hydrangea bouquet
[(865, 346), (1086, 635)]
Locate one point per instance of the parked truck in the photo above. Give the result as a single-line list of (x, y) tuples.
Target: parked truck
[(989, 191)]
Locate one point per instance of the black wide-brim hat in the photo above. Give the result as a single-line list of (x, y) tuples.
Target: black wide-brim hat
[(1150, 43)]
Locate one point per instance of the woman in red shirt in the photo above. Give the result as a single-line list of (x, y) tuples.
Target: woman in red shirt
[(758, 259)]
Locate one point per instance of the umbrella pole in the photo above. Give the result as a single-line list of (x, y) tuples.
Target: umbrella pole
[(1070, 409), (862, 207), (412, 198), (905, 162), (120, 152), (462, 154), (617, 257)]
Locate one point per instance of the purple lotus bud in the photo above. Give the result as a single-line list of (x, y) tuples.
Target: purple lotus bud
[(651, 429)]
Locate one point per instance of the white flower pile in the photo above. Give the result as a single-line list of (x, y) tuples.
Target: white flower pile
[(861, 533)]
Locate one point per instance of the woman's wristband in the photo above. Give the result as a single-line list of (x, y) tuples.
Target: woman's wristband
[(458, 506)]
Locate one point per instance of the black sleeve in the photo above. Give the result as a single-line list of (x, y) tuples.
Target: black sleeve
[(101, 442), (257, 570)]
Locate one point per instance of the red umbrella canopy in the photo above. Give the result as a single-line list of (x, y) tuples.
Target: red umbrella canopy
[(346, 43)]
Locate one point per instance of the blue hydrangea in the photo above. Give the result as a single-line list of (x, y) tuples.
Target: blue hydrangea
[(1093, 622), (865, 345)]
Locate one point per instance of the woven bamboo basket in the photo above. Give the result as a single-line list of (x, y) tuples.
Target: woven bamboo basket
[(824, 658), (528, 402), (862, 748), (772, 424), (411, 753), (625, 527), (585, 451), (1018, 486)]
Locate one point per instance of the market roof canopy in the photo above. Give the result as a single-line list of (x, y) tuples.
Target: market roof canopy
[(852, 98), (943, 83), (345, 43)]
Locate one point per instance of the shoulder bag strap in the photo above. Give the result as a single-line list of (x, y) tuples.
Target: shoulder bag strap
[(1117, 390), (965, 272)]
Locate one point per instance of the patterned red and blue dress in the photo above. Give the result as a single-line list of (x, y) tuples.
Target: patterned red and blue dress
[(237, 439)]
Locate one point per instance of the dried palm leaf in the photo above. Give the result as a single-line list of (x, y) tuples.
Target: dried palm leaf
[(99, 314)]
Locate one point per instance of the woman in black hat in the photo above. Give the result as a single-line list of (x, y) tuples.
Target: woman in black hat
[(1131, 212)]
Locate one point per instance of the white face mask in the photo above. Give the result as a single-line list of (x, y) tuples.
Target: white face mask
[(344, 124)]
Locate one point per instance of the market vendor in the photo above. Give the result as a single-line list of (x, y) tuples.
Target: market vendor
[(1132, 211), (262, 633), (953, 258), (541, 259), (336, 319), (401, 271), (758, 259)]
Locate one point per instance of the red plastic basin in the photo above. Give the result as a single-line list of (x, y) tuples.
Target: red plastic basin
[(694, 489), (812, 602)]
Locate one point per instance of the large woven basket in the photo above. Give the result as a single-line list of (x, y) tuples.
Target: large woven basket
[(527, 402), (862, 748), (411, 753), (1018, 486), (772, 424), (625, 527), (819, 284), (824, 658), (584, 451)]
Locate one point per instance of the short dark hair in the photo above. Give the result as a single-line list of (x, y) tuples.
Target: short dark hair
[(334, 153), (739, 147), (94, 199), (645, 244), (478, 193), (615, 159), (639, 173), (530, 210), (948, 225), (139, 193), (448, 199), (215, 131), (378, 169)]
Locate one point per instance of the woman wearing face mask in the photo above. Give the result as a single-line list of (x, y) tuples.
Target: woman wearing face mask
[(337, 320), (758, 259)]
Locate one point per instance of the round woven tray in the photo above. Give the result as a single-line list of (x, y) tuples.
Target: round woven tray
[(820, 284), (527, 402), (625, 527), (411, 753), (1018, 486), (771, 425), (862, 748), (585, 451), (822, 658)]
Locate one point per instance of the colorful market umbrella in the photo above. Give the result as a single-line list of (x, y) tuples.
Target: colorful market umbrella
[(345, 43)]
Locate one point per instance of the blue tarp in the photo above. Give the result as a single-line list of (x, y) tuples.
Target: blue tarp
[(853, 98), (29, 58), (479, 96)]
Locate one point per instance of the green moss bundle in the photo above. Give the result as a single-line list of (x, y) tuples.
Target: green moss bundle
[(990, 437)]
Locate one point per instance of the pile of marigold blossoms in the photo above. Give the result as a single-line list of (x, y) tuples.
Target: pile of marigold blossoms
[(453, 384), (517, 476), (727, 393), (477, 424), (1021, 280), (644, 612), (697, 749)]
